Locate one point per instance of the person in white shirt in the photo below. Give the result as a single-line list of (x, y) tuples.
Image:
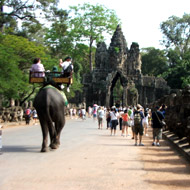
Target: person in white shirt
[(100, 117), (67, 67), (114, 120), (37, 68), (145, 121)]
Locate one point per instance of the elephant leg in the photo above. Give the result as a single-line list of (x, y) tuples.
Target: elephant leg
[(44, 128), (52, 133), (58, 126)]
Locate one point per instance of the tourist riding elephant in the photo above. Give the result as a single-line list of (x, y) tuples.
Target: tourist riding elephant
[(50, 106)]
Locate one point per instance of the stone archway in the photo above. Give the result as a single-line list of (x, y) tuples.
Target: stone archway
[(117, 75), (119, 62)]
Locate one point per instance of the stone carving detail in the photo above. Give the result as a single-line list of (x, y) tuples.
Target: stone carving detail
[(177, 112), (120, 63)]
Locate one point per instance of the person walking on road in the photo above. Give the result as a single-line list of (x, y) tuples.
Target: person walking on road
[(100, 114), (145, 121), (157, 116), (125, 123), (114, 120), (138, 127)]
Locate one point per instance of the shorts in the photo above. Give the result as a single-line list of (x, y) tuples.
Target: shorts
[(145, 124), (94, 115), (125, 123), (138, 129), (157, 133), (100, 120), (114, 124)]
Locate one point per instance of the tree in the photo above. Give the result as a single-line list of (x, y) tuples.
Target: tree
[(177, 33), (154, 61), (177, 41), (16, 56), (90, 23), (13, 10), (57, 37)]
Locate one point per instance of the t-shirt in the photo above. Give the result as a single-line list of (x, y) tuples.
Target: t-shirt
[(100, 113), (65, 64), (38, 67), (114, 115), (125, 117)]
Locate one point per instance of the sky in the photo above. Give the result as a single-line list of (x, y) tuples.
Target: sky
[(140, 19)]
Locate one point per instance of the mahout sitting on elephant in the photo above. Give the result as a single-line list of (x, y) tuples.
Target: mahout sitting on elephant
[(50, 106)]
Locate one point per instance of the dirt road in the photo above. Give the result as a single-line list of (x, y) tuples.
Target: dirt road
[(89, 159)]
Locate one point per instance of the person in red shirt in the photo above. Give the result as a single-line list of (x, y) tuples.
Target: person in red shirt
[(125, 123)]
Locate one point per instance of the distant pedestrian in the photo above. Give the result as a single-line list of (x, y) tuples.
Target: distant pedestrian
[(157, 116), (114, 120), (28, 113), (125, 123), (100, 115), (35, 116), (89, 111), (145, 121), (94, 110), (83, 113), (121, 112), (108, 118), (138, 127)]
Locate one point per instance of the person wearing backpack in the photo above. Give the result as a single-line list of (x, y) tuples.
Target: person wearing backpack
[(138, 127), (157, 116), (27, 115), (67, 67)]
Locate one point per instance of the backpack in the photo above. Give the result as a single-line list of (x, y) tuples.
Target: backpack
[(28, 112), (129, 112), (137, 118), (69, 69)]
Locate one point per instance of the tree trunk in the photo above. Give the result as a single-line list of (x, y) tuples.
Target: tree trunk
[(1, 17), (90, 54)]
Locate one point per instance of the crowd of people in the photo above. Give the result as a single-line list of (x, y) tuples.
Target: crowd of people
[(137, 119)]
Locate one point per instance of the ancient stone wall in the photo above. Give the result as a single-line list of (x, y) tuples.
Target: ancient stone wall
[(120, 63), (177, 112)]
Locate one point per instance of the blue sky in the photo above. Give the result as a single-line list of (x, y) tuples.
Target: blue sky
[(140, 18)]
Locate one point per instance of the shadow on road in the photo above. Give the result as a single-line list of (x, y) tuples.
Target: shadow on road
[(21, 149), (175, 183)]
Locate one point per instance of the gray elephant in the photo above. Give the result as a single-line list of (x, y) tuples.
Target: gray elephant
[(50, 106)]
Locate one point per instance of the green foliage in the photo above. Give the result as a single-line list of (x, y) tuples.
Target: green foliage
[(177, 41), (16, 56), (177, 32), (27, 11), (118, 90), (76, 87), (116, 49), (90, 23), (154, 61)]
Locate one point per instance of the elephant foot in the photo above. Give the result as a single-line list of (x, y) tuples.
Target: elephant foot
[(45, 149), (54, 146)]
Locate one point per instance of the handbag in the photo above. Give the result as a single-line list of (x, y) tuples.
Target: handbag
[(162, 123)]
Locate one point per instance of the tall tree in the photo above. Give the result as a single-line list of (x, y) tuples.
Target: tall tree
[(154, 61), (16, 55), (177, 41), (24, 10), (177, 33), (91, 23)]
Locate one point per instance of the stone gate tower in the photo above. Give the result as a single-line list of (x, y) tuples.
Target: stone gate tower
[(120, 63)]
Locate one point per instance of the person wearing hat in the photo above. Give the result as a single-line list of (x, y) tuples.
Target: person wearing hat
[(157, 116), (145, 121), (67, 67), (138, 127)]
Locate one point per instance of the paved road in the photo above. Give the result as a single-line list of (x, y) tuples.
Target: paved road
[(88, 159)]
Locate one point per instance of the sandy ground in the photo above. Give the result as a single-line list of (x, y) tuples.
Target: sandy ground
[(91, 159)]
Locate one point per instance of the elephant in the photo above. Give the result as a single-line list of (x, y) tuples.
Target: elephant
[(50, 106)]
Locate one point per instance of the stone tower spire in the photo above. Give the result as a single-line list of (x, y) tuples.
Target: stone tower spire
[(118, 49)]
